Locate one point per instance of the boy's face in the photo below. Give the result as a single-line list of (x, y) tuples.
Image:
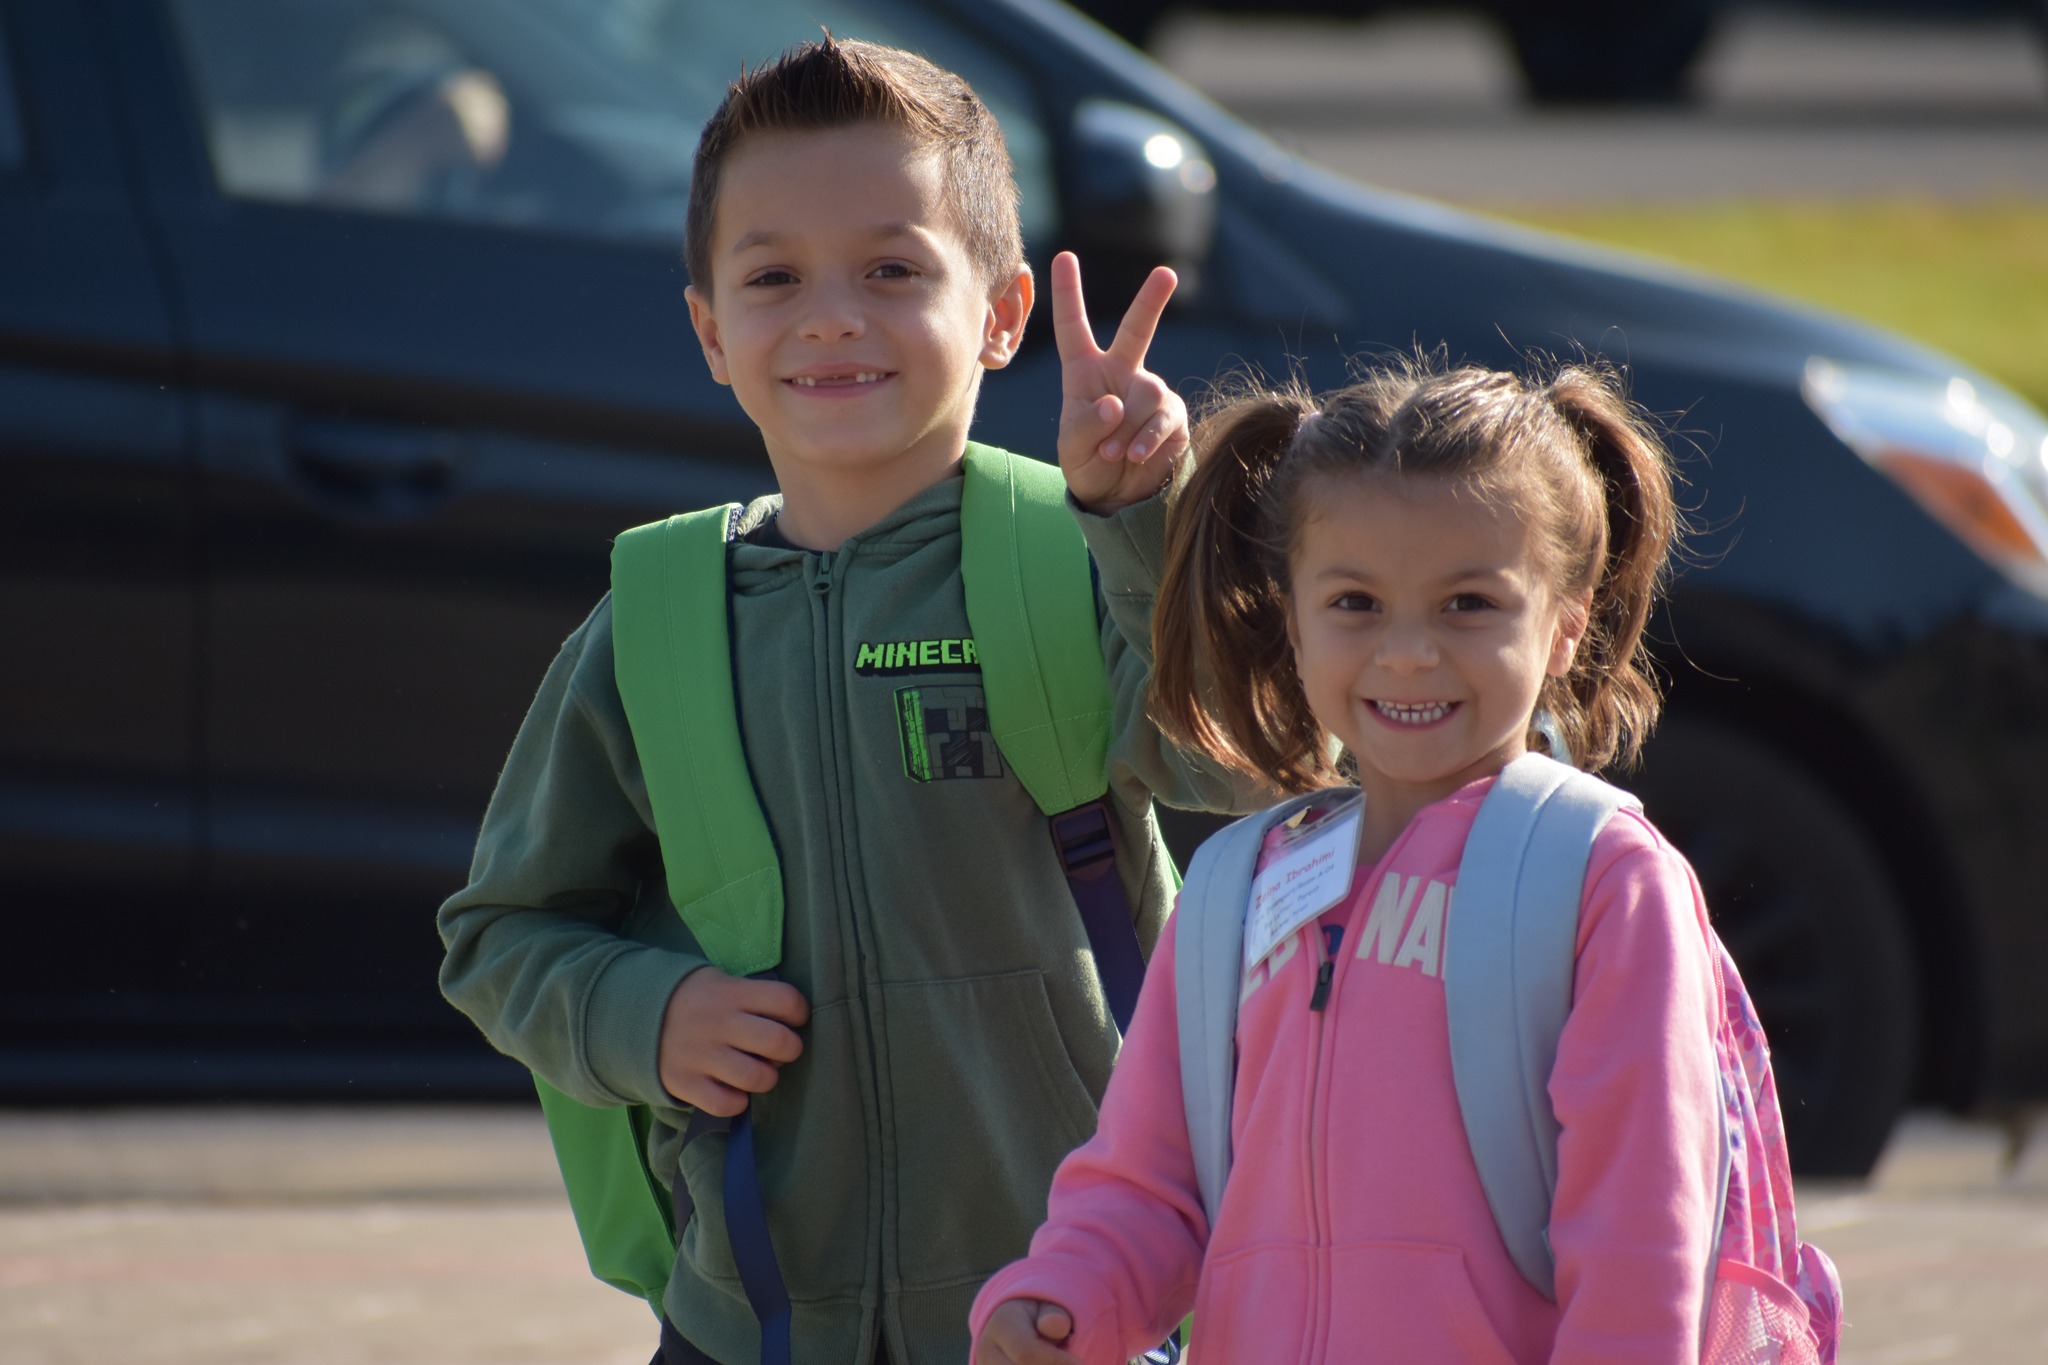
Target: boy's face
[(844, 309)]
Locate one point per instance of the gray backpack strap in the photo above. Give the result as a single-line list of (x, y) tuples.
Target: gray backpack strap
[(1208, 973), (1508, 958)]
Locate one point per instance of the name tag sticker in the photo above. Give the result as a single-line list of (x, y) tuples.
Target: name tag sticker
[(1312, 873)]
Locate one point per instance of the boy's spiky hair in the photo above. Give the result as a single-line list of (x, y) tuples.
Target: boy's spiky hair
[(835, 83)]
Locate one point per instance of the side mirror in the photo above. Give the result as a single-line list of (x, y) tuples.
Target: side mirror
[(1141, 192)]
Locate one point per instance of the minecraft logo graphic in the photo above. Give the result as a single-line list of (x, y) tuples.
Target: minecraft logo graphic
[(945, 733)]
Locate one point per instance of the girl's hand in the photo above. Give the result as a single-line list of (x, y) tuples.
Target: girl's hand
[(1025, 1332), (1121, 427)]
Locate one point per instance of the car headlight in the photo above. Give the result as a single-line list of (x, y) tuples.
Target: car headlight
[(1975, 458)]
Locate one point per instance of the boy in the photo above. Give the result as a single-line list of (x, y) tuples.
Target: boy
[(856, 264)]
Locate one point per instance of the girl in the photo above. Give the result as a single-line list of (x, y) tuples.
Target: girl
[(1418, 568)]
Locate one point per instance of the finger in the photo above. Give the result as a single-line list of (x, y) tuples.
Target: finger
[(766, 1039), (1108, 414), (701, 1092), (1145, 400), (1141, 320), (1054, 1323), (1070, 330), (1151, 437), (743, 1071), (773, 1000)]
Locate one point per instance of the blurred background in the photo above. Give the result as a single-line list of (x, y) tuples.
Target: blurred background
[(337, 337)]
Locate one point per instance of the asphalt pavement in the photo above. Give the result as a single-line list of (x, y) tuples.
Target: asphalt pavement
[(440, 1237)]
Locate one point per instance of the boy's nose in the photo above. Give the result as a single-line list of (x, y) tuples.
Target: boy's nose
[(832, 316)]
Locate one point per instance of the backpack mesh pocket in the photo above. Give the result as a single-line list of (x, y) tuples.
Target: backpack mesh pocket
[(1755, 1319)]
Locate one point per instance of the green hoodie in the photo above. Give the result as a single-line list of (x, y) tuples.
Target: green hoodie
[(959, 1040)]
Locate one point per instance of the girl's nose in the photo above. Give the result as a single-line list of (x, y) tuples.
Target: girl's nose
[(1406, 647)]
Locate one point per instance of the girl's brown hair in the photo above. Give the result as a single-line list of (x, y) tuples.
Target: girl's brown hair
[(1568, 449)]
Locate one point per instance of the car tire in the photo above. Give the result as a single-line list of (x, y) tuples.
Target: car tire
[(1607, 51), (1803, 899), (1130, 20)]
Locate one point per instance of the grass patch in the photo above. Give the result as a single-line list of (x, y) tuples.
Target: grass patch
[(1968, 278)]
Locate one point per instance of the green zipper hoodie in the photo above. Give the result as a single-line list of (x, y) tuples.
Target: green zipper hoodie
[(959, 1040)]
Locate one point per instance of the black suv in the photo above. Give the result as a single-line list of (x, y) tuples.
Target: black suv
[(337, 337)]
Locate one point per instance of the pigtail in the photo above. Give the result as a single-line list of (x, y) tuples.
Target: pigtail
[(1608, 703), (1223, 677)]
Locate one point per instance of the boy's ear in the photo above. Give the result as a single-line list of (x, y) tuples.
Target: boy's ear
[(1007, 312), (706, 323)]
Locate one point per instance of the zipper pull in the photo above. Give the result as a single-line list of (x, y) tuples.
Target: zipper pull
[(1333, 936)]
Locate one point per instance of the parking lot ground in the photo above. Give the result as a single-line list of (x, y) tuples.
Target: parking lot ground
[(387, 1237)]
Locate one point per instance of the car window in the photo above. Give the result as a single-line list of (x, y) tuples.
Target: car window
[(13, 145), (576, 116)]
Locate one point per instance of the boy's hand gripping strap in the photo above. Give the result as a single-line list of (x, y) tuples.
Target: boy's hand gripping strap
[(1509, 954)]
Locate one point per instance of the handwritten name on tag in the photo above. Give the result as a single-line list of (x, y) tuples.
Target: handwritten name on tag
[(1312, 873)]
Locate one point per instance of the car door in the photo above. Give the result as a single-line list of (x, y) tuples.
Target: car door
[(419, 428), (98, 603)]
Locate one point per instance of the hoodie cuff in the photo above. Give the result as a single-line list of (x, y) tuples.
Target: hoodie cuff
[(1129, 546), (1097, 1333), (622, 1022)]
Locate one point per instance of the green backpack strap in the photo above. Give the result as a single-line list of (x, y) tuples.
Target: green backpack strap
[(672, 650), (672, 654), (1030, 602)]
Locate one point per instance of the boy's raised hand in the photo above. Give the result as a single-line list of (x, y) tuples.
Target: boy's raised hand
[(1121, 428), (725, 1039), (1025, 1332)]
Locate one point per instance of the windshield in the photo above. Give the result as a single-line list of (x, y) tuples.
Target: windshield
[(574, 116)]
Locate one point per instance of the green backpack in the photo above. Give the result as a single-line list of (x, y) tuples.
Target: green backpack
[(1030, 599)]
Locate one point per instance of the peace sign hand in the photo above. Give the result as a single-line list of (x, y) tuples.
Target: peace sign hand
[(1121, 428)]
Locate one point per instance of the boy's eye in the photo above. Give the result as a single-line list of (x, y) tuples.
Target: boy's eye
[(894, 270), (1469, 601), (772, 277)]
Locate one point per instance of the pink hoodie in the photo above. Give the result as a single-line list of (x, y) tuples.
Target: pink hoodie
[(1354, 1227)]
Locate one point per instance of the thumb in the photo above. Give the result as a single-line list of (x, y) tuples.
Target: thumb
[(1054, 1323)]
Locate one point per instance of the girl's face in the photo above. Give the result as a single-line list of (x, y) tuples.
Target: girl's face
[(1423, 624)]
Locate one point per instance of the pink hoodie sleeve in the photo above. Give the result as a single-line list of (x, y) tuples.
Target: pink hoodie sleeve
[(1637, 1093), (1121, 1246)]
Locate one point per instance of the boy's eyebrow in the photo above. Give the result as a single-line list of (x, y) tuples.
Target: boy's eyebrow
[(882, 232)]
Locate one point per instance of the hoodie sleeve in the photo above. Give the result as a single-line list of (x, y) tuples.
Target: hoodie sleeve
[(1637, 1093), (537, 953), (1121, 1246), (1129, 549)]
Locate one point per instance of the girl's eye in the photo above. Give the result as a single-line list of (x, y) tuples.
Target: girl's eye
[(771, 278), (1470, 601), (1356, 601)]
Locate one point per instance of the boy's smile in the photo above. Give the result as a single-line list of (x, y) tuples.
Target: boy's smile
[(850, 320), (1423, 629)]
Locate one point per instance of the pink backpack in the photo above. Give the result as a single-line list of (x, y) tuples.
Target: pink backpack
[(1774, 1298), (1508, 981)]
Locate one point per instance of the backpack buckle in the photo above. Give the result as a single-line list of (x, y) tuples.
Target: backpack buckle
[(1084, 839)]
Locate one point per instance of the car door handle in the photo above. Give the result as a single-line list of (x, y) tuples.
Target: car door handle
[(375, 469)]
